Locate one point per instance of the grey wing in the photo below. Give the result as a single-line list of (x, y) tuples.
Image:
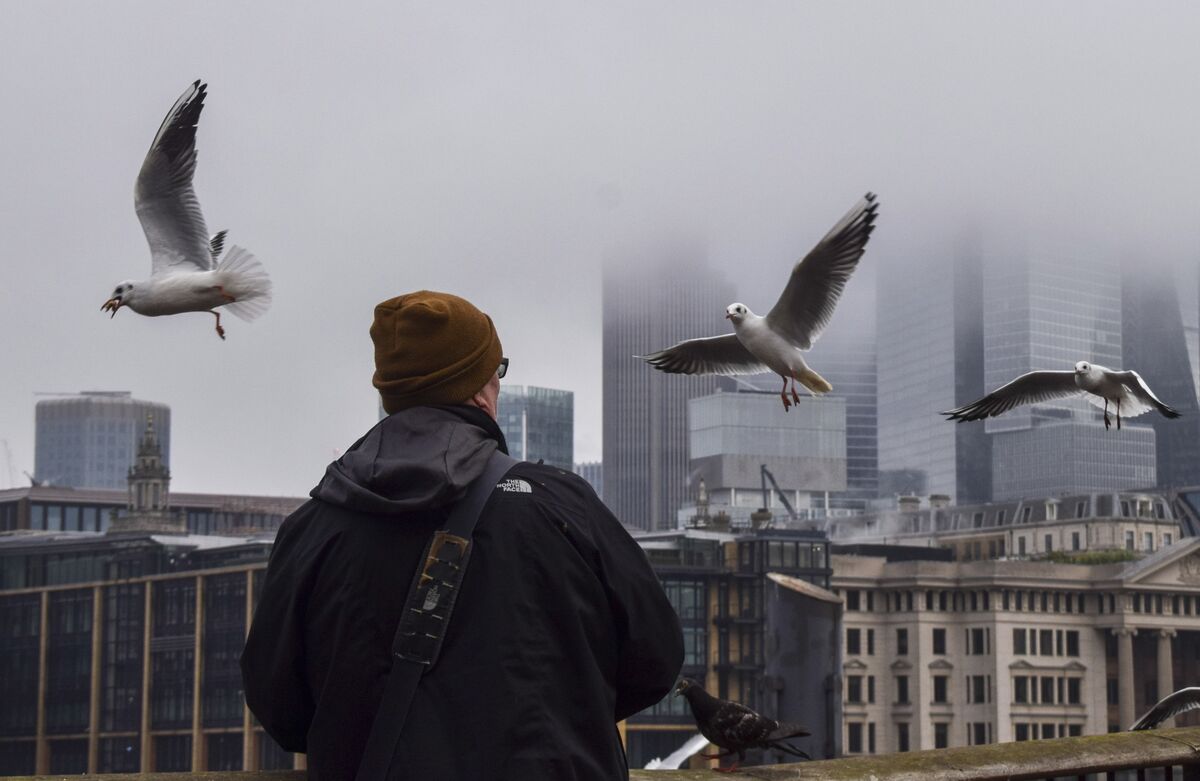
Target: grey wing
[(1029, 388), (1140, 391), (710, 355), (163, 196), (806, 304), (741, 725), (1172, 705), (216, 245)]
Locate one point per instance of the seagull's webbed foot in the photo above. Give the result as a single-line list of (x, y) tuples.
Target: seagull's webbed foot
[(795, 395), (220, 330)]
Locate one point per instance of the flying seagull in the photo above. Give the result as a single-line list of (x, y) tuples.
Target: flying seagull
[(734, 727), (775, 342), (1168, 707), (1100, 385), (188, 272)]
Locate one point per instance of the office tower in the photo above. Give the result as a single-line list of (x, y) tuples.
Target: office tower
[(649, 303), (89, 440), (593, 472), (1155, 344), (1047, 309), (732, 436), (930, 358), (845, 355), (538, 424)]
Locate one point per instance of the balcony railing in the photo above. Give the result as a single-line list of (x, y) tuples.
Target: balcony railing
[(1154, 754)]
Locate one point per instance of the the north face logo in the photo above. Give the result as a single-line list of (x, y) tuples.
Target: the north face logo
[(515, 486)]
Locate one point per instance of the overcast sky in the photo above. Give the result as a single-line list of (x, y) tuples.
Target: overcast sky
[(497, 150)]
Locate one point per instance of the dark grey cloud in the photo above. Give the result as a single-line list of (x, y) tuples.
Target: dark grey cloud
[(502, 151)]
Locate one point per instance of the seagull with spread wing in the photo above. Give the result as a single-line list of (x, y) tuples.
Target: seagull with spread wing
[(775, 342), (1102, 386), (1169, 707), (188, 273)]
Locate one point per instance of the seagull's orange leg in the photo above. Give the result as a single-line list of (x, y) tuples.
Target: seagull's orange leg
[(1107, 423), (795, 396), (221, 289), (783, 395), (220, 330)]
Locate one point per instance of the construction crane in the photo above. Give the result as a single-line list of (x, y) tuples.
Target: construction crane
[(766, 475)]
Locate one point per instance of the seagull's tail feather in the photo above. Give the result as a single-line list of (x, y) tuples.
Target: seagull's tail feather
[(813, 381), (244, 278)]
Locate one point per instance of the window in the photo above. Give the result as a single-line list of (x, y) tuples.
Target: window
[(1026, 513), (1000, 518), (854, 688), (902, 689), (871, 688), (1046, 642), (1047, 690), (976, 642), (901, 642), (853, 642), (854, 737), (1022, 731), (979, 733), (1129, 540), (1072, 642), (940, 686), (941, 734), (1020, 689), (1047, 731), (1167, 538), (870, 737), (1020, 546), (1018, 641), (1074, 540), (902, 736), (853, 603), (939, 640), (1073, 695), (1051, 511), (978, 688), (1148, 542), (1080, 508), (1049, 543), (870, 642)]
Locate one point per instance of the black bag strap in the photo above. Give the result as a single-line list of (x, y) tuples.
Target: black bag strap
[(427, 611)]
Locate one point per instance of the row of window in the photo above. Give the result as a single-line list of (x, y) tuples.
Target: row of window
[(1045, 730), (1047, 690), (1033, 601), (1045, 642), (1076, 543), (860, 736)]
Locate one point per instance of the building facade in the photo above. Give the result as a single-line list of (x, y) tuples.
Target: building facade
[(733, 616), (90, 440), (952, 653), (538, 423), (593, 472), (732, 436), (645, 411)]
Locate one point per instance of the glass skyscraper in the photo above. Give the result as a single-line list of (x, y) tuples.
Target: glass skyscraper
[(538, 423), (90, 440), (930, 359), (1048, 309), (648, 306)]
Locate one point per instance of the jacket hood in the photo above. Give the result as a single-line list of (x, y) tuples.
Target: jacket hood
[(415, 459)]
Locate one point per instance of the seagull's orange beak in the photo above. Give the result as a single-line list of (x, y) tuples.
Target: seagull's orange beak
[(111, 305)]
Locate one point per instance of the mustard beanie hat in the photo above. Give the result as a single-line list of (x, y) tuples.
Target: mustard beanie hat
[(432, 348)]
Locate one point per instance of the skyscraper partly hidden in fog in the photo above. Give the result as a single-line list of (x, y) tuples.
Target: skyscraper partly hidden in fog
[(1046, 308), (845, 355), (1159, 319), (649, 303), (930, 358), (90, 440), (538, 424)]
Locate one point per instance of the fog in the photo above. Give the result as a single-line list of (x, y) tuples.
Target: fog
[(501, 151)]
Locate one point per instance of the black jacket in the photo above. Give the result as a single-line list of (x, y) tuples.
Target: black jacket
[(561, 628)]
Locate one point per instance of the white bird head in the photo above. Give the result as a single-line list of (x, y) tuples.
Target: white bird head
[(123, 294), (1083, 367), (736, 313)]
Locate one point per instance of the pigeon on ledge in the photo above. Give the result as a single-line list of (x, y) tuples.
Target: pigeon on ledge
[(188, 273), (736, 728)]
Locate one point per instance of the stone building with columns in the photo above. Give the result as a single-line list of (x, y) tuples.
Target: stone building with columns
[(942, 652)]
